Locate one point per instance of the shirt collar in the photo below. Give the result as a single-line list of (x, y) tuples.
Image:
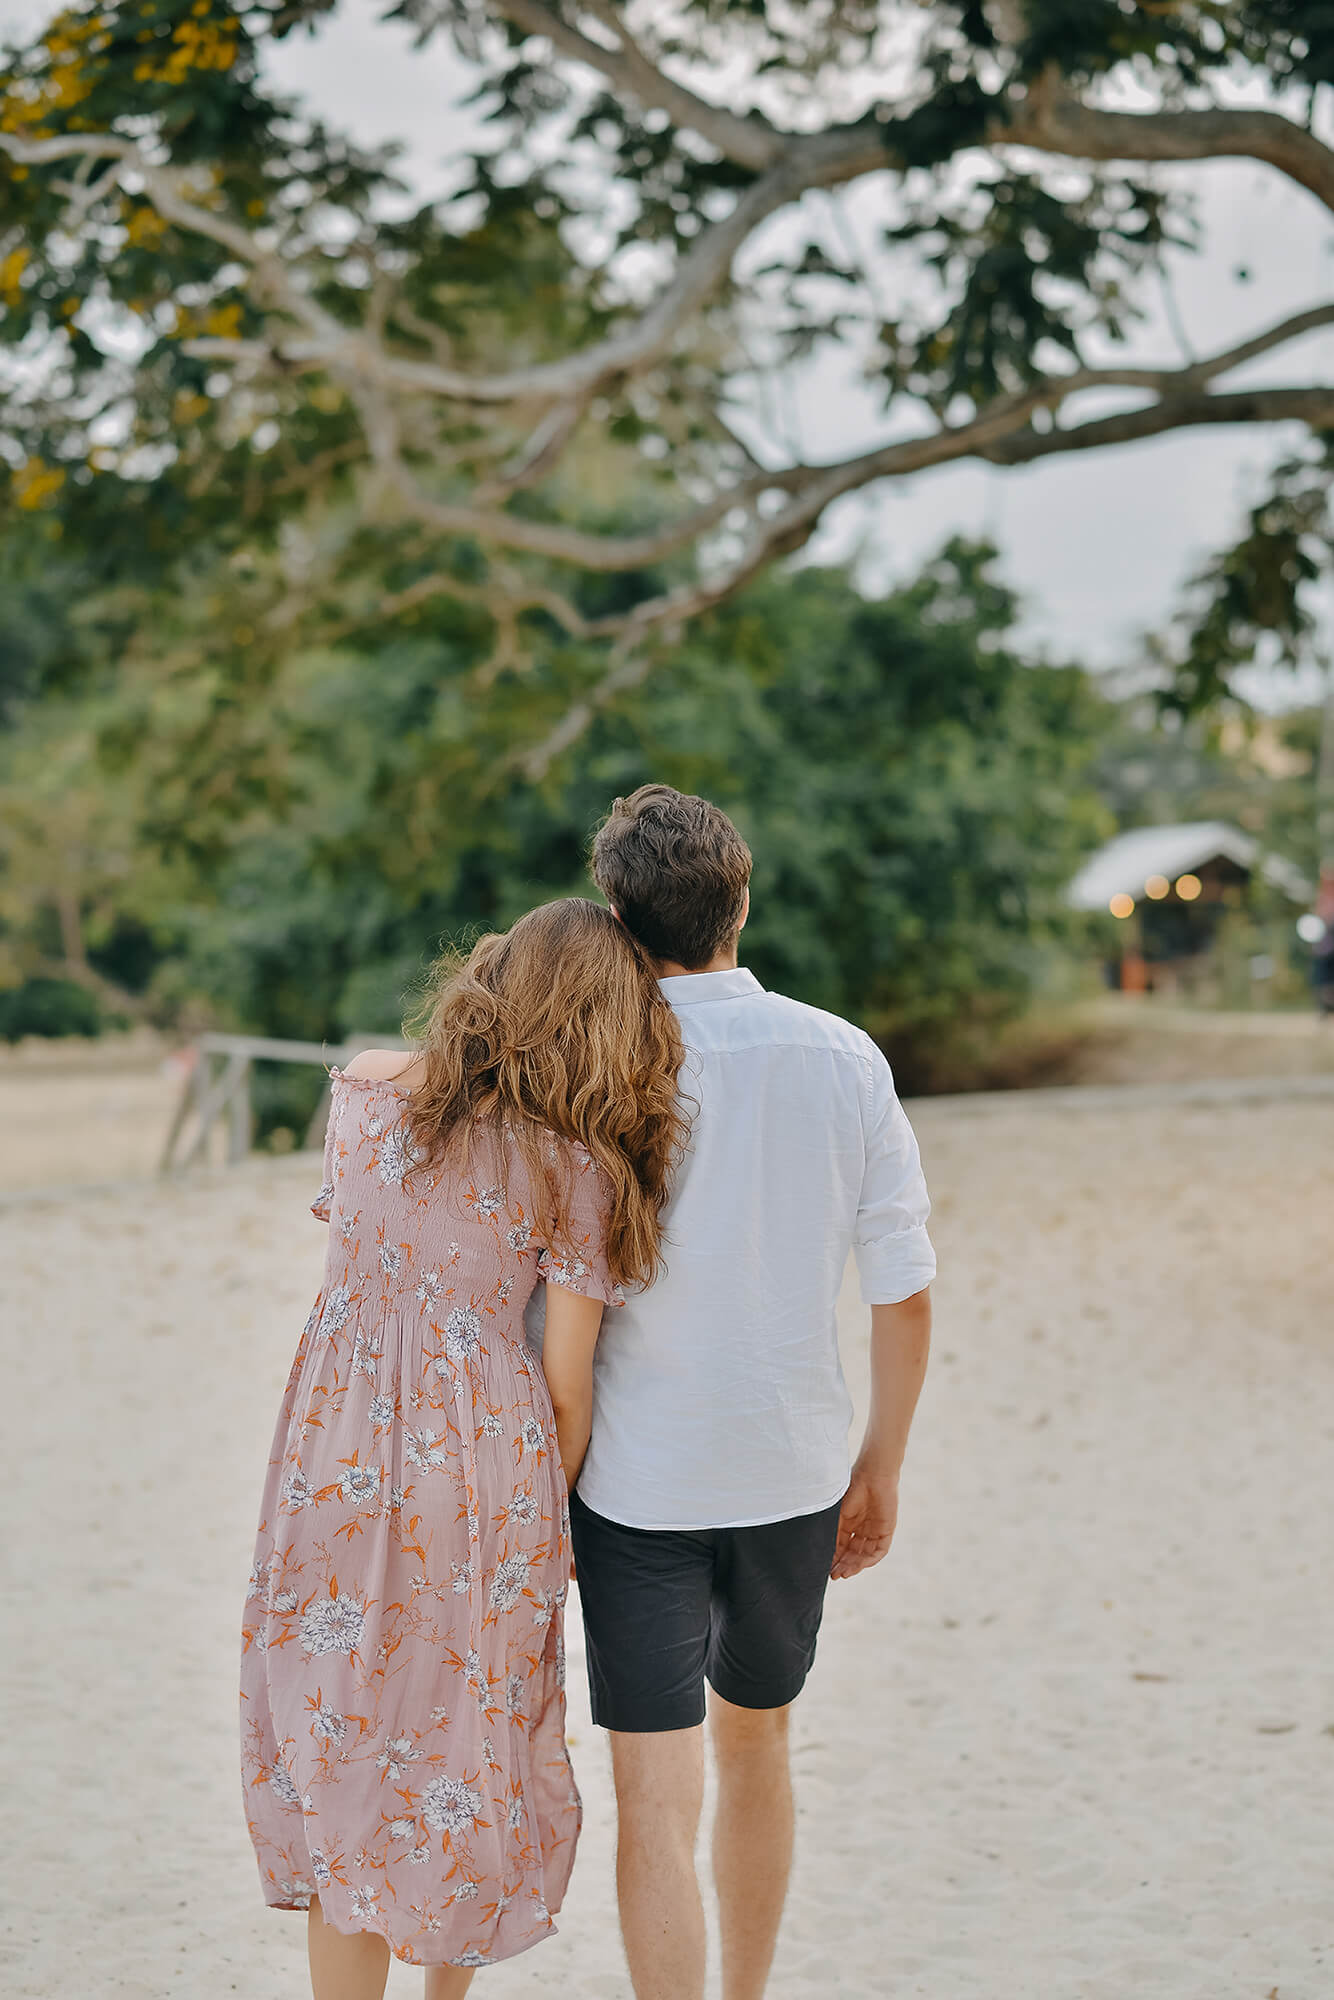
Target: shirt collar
[(687, 989)]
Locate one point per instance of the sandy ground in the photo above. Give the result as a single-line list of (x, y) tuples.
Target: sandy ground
[(95, 1116), (1074, 1739), (1136, 1042)]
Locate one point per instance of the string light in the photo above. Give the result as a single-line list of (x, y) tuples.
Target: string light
[(1122, 905), (1188, 887), (1157, 886)]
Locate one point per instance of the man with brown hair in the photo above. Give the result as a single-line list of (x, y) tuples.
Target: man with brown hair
[(717, 1499)]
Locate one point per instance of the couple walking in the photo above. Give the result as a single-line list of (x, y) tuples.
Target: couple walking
[(607, 1112)]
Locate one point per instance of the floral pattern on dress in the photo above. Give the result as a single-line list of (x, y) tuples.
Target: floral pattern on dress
[(403, 1662)]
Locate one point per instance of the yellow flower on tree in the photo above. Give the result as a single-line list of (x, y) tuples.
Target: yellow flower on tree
[(144, 227), (12, 268), (36, 483)]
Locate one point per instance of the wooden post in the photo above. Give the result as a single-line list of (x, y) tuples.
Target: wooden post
[(222, 1093), (219, 1091), (239, 1119), (185, 1104)]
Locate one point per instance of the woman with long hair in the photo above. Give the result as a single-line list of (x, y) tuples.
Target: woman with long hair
[(403, 1713)]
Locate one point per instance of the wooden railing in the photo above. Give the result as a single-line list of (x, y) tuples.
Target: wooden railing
[(216, 1092)]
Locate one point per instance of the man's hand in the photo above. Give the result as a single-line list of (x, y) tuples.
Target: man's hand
[(900, 1342), (866, 1521)]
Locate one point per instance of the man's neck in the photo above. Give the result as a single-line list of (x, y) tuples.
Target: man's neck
[(722, 961)]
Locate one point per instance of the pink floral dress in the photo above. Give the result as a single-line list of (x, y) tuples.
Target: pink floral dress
[(403, 1667)]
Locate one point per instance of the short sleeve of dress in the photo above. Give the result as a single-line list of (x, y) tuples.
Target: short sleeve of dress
[(578, 1260), (323, 1201)]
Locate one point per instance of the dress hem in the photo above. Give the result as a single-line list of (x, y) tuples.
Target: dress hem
[(409, 1955)]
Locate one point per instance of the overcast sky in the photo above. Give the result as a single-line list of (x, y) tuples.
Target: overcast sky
[(1098, 545)]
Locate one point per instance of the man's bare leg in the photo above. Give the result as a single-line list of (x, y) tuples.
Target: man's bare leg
[(752, 1839), (659, 1797), (345, 1967)]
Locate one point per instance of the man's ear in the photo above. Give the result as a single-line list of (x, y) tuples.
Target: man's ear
[(745, 909)]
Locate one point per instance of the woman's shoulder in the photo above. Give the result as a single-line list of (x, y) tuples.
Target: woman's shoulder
[(397, 1066)]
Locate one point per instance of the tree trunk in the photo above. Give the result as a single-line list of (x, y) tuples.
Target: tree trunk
[(71, 931)]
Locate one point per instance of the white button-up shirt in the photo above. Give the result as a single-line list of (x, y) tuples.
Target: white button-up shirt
[(718, 1398)]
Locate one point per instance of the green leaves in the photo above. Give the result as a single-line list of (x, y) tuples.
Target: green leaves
[(1023, 271), (303, 829), (669, 181), (954, 117), (1086, 38), (1292, 39), (185, 68), (1254, 598), (914, 792)]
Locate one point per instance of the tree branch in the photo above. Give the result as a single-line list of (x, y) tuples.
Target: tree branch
[(796, 164), (80, 973), (1207, 370), (328, 344), (792, 528), (1052, 121), (750, 141), (631, 669), (1048, 118), (814, 487), (165, 188), (1311, 405), (370, 372), (516, 595), (539, 454)]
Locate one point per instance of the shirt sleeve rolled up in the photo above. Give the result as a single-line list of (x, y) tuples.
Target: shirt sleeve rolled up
[(893, 1251)]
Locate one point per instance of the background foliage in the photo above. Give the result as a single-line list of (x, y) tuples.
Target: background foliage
[(312, 652)]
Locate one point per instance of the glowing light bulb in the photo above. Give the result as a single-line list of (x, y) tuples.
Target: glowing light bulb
[(1157, 886), (1188, 887), (1122, 905)]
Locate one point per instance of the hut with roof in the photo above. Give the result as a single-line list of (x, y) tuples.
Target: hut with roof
[(1169, 889)]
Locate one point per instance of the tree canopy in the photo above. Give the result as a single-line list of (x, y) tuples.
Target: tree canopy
[(244, 367)]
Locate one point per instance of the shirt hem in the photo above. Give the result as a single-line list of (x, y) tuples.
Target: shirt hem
[(788, 1513)]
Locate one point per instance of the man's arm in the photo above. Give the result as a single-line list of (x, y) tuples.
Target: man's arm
[(900, 1343)]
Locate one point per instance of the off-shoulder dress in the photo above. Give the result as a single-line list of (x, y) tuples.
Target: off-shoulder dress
[(403, 1668)]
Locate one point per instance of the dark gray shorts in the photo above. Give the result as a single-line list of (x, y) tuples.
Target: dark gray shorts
[(666, 1609)]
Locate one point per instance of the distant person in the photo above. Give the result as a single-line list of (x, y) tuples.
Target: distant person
[(403, 1709), (1322, 955), (716, 1499)]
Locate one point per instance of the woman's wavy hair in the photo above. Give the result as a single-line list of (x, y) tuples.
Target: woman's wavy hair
[(557, 1025)]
